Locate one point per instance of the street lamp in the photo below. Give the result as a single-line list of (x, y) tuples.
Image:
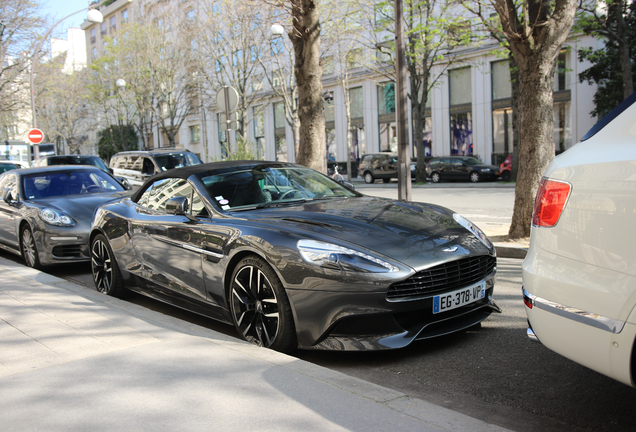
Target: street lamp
[(93, 15)]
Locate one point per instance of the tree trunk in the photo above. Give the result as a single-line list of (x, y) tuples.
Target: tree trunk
[(305, 38), (514, 78), (536, 143)]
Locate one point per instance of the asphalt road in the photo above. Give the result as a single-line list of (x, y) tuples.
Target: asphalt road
[(492, 372)]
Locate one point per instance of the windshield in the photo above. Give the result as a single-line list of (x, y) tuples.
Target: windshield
[(176, 160), (55, 184), (269, 186), (78, 160)]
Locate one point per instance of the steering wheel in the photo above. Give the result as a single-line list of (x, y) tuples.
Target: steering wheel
[(93, 188)]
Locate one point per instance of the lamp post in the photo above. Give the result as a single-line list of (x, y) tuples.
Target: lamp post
[(404, 162), (93, 15)]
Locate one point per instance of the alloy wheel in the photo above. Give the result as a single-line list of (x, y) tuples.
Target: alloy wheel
[(102, 267), (255, 307), (29, 251)]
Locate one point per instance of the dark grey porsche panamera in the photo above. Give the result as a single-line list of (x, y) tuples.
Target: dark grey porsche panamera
[(294, 259)]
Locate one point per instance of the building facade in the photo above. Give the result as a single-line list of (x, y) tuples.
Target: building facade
[(469, 111)]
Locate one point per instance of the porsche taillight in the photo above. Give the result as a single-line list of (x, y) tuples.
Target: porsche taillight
[(550, 202)]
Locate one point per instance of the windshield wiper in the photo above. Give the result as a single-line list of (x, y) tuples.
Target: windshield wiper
[(270, 204)]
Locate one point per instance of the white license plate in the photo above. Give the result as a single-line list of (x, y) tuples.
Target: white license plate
[(461, 297)]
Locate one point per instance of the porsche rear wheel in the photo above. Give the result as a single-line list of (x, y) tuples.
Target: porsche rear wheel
[(106, 274), (259, 306), (28, 248)]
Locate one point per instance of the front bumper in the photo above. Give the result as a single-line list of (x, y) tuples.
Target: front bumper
[(367, 321), (56, 246)]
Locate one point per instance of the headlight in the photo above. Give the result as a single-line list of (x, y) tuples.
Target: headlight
[(57, 218), (485, 170), (473, 229), (340, 258)]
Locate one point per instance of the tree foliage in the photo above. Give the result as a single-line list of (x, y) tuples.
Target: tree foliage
[(114, 139), (19, 28), (614, 84)]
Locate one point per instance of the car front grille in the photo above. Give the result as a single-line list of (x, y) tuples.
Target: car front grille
[(442, 278), (67, 251)]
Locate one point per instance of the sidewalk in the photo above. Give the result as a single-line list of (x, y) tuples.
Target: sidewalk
[(74, 359)]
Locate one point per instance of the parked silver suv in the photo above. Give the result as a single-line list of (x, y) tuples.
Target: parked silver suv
[(137, 166)]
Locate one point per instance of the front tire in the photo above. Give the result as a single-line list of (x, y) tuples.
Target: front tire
[(505, 176), (29, 249), (106, 274), (368, 178), (259, 306)]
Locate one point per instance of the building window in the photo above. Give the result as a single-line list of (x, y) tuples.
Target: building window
[(259, 131), (104, 28), (386, 116), (113, 23), (124, 16), (93, 35), (502, 137), (279, 132), (94, 53), (330, 127), (328, 66), (384, 52), (356, 120), (195, 134), (461, 120), (354, 58)]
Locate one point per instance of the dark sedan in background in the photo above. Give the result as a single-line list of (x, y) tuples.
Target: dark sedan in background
[(294, 259), (460, 168), (46, 213)]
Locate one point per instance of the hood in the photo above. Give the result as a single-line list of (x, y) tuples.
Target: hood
[(80, 207), (416, 234)]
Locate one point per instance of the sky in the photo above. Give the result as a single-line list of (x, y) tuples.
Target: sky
[(58, 9)]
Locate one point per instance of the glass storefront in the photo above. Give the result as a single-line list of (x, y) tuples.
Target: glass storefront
[(461, 119)]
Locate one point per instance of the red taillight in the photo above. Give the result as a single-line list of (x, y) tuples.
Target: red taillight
[(551, 198)]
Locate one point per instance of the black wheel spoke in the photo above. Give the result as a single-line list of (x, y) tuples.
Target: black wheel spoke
[(254, 306)]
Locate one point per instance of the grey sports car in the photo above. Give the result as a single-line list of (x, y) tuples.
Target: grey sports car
[(294, 259), (46, 213)]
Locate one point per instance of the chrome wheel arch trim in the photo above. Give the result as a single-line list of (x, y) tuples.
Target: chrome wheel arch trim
[(588, 318)]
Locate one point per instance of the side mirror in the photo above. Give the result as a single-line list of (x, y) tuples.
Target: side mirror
[(125, 183), (8, 197), (177, 206)]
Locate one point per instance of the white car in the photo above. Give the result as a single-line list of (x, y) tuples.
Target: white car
[(580, 272)]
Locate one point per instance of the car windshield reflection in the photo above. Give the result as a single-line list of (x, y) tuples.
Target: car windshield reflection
[(58, 184), (264, 187)]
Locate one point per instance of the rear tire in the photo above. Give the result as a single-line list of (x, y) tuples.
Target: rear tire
[(387, 180), (106, 274), (435, 178), (259, 306), (474, 177)]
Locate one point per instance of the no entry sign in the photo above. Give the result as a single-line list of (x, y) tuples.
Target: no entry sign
[(35, 136)]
